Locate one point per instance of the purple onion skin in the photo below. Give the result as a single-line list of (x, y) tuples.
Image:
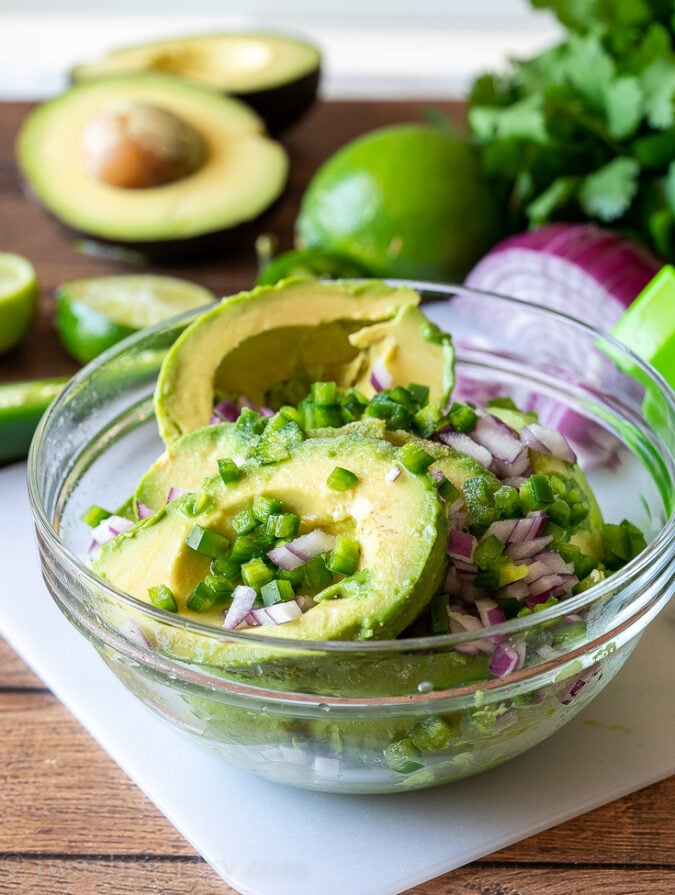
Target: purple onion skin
[(621, 265)]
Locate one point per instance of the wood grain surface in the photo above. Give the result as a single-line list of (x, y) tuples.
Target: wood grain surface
[(71, 822)]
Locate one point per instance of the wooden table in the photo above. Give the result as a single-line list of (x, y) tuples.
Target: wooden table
[(71, 822)]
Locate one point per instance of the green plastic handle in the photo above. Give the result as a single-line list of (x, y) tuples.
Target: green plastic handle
[(648, 326)]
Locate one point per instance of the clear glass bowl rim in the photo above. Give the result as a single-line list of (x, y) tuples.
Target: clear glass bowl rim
[(636, 569)]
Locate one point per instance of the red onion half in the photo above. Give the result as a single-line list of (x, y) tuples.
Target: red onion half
[(588, 272), (591, 274)]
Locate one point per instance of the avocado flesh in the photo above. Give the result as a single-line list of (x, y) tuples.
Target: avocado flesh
[(243, 174), (186, 463), (400, 526), (276, 75), (296, 330)]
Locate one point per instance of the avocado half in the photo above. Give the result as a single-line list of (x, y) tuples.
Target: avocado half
[(242, 174), (401, 531), (270, 344), (276, 75)]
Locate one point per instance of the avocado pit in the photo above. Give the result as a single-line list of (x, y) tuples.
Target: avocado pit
[(135, 145)]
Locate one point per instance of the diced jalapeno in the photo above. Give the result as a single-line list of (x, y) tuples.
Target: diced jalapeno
[(209, 543), (341, 479), (162, 597)]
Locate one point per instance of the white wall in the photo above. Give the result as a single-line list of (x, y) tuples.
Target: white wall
[(371, 47)]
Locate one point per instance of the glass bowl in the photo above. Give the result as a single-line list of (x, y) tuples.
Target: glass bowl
[(374, 717)]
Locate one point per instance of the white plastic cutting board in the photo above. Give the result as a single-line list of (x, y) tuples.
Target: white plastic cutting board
[(379, 845)]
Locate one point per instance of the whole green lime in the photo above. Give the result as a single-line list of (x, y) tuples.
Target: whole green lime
[(403, 201)]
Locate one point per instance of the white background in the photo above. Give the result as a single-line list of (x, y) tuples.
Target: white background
[(371, 47)]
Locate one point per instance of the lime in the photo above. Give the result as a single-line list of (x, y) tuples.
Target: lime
[(309, 264), (92, 314), (18, 299), (21, 406), (648, 326), (404, 201)]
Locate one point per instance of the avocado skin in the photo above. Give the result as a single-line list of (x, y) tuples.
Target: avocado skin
[(229, 240), (284, 105)]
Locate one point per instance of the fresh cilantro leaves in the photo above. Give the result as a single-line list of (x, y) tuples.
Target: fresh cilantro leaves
[(586, 129)]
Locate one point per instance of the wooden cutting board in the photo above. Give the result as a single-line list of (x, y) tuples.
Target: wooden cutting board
[(26, 229)]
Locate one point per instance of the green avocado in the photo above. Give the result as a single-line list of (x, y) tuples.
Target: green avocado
[(400, 527), (150, 162), (270, 344), (190, 459), (275, 74)]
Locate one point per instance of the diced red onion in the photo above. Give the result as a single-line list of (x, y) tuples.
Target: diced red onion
[(243, 598), (174, 493), (305, 547), (250, 621), (506, 658), (305, 602), (501, 440), (554, 561), (519, 468), (535, 571), (516, 590), (461, 622), (143, 510), (466, 445), (530, 526), (547, 441), (546, 584), (515, 481), (515, 531), (266, 411), (528, 549), (460, 547), (109, 528), (277, 614), (490, 612), (393, 474), (225, 411), (502, 529), (380, 377)]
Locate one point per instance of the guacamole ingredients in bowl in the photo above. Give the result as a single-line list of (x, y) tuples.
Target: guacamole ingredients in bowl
[(446, 666)]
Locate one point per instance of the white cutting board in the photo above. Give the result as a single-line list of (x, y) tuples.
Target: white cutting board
[(378, 845)]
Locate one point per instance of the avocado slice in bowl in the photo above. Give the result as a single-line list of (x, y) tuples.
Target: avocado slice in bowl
[(150, 162), (400, 528), (275, 74)]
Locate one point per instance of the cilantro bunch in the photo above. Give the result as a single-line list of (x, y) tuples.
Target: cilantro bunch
[(586, 129)]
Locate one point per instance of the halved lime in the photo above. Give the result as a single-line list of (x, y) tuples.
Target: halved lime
[(18, 298), (94, 313), (21, 406)]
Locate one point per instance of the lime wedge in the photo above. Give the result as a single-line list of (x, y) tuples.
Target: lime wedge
[(92, 314), (18, 299), (648, 326), (21, 406)]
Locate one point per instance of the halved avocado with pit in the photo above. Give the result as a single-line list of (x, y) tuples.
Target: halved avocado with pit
[(151, 162), (275, 74), (270, 344)]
